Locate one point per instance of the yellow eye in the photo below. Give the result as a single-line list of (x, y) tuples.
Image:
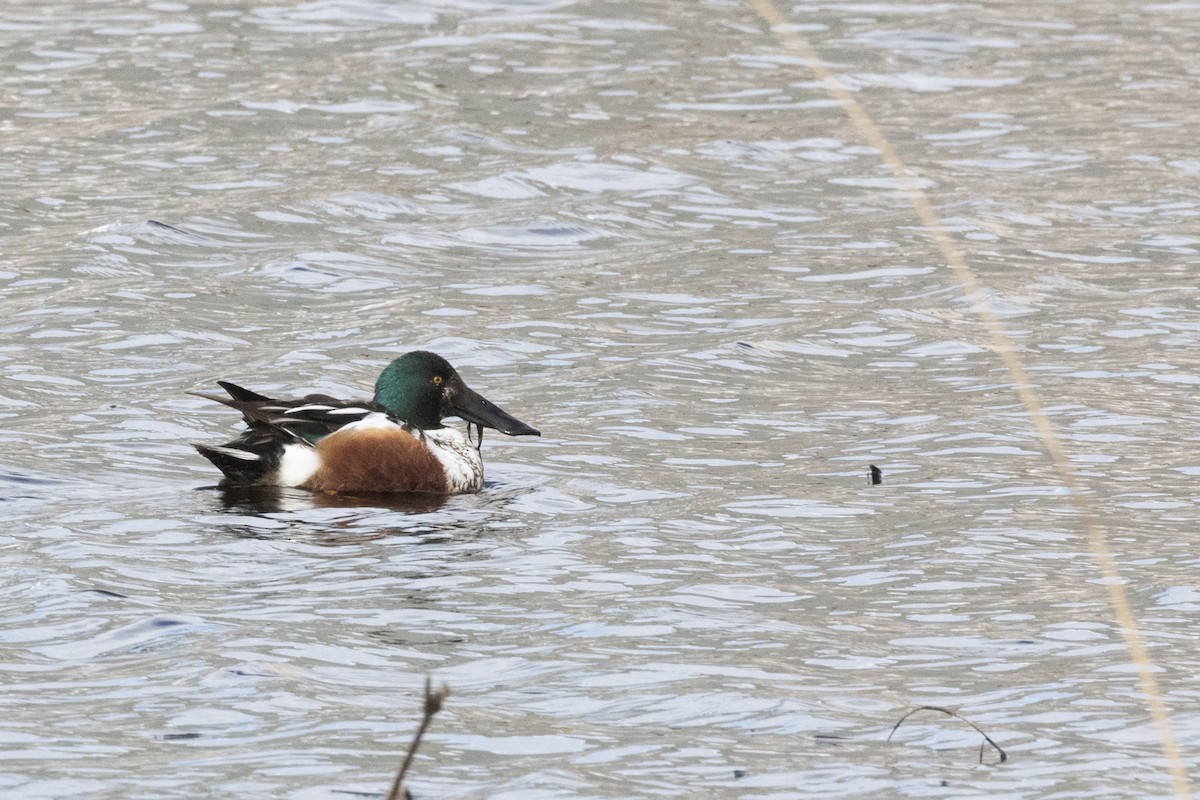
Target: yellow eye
[(437, 380)]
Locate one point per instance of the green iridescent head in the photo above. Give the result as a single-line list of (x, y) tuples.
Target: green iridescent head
[(422, 389)]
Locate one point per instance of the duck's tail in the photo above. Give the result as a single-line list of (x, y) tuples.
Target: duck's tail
[(252, 460)]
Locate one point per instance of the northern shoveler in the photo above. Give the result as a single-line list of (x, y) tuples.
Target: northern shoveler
[(393, 443)]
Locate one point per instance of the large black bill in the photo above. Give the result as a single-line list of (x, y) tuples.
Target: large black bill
[(474, 407)]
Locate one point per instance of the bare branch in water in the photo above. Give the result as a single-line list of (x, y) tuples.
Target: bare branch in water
[(433, 704), (986, 739)]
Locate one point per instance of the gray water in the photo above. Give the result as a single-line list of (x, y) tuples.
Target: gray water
[(645, 229)]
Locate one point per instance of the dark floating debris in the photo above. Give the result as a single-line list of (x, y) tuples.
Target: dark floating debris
[(876, 475), (108, 593), (739, 773), (154, 223), (433, 704), (986, 739), (160, 229)]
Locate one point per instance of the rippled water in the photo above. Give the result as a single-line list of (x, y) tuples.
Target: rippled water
[(645, 229)]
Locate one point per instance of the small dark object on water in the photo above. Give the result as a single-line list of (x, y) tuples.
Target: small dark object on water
[(739, 773), (986, 739), (108, 593), (876, 475), (154, 223)]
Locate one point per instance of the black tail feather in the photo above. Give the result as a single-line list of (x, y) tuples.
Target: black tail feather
[(242, 399), (240, 393), (249, 461)]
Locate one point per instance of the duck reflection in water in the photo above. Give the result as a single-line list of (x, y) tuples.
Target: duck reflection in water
[(256, 500)]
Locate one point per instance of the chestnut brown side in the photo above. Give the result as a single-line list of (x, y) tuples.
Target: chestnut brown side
[(376, 460)]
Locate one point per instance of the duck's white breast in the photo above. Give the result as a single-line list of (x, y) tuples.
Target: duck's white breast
[(459, 459)]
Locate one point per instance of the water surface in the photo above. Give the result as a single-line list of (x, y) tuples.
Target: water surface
[(646, 230)]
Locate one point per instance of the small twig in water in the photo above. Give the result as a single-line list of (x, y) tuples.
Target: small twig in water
[(986, 739), (433, 704)]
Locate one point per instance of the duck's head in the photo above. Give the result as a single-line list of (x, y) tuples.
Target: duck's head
[(422, 389)]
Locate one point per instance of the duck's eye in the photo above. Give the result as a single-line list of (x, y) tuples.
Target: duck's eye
[(437, 380)]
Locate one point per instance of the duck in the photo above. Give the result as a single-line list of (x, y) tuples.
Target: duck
[(395, 443)]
